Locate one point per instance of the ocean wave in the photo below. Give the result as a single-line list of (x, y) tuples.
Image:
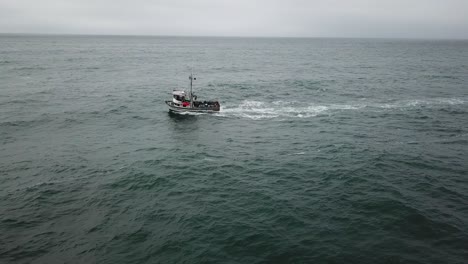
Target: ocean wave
[(296, 109), (30, 68), (19, 124)]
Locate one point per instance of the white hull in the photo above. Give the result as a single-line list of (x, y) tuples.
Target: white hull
[(180, 109)]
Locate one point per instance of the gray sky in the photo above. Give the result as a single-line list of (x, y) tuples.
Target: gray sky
[(287, 18)]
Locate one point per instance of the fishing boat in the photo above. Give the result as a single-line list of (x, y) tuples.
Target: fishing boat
[(187, 102)]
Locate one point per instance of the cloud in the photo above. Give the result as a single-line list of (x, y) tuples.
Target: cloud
[(292, 18)]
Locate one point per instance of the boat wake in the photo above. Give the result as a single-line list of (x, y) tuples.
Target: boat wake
[(294, 109), (263, 110)]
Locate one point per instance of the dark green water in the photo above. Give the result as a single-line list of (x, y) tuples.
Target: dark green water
[(325, 151)]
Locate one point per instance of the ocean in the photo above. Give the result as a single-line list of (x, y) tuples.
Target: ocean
[(324, 151)]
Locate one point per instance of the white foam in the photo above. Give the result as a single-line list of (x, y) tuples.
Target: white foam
[(418, 103), (263, 110), (258, 110), (299, 153)]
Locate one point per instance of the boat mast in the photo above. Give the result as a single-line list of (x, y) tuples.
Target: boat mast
[(191, 84)]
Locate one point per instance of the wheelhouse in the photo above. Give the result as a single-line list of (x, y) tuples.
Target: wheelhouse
[(178, 97)]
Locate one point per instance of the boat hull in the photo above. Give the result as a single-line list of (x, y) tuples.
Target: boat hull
[(180, 109)]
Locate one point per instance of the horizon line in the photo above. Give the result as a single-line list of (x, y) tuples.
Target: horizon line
[(221, 36)]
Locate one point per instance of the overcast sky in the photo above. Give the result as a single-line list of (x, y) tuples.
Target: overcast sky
[(287, 18)]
